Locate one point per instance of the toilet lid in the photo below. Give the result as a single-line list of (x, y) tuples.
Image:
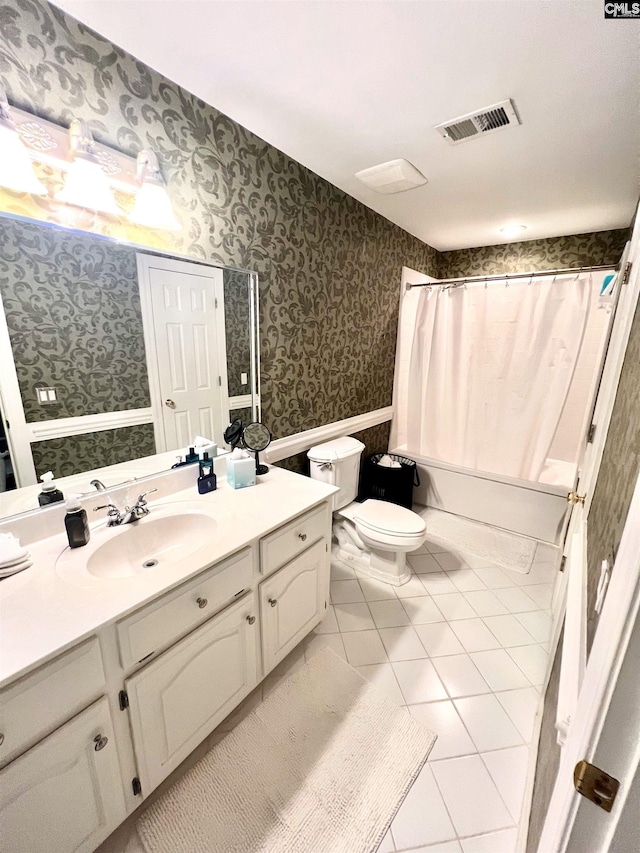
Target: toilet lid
[(386, 517)]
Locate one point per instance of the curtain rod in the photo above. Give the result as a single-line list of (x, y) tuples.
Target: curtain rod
[(454, 282)]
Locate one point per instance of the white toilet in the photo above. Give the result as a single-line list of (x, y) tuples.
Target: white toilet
[(374, 536)]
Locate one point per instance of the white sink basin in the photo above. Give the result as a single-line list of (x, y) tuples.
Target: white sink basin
[(166, 536)]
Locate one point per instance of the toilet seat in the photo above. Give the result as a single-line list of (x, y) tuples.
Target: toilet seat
[(385, 523)]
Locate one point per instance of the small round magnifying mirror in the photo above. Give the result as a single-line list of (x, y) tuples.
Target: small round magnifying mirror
[(233, 433), (257, 437)]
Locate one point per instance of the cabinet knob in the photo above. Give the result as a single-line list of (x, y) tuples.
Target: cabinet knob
[(302, 536), (251, 619), (202, 602), (273, 601), (100, 742)]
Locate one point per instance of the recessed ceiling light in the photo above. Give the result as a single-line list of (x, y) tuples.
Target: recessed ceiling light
[(512, 230)]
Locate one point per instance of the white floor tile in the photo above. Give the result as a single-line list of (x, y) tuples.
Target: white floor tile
[(484, 603), (422, 609), (454, 606), (346, 592), (532, 660), (474, 635), (537, 623), (387, 845), (450, 560), (508, 769), (499, 670), (424, 563), (389, 613), (364, 647), (541, 594), (438, 639), (496, 842), (470, 795), (382, 675), (329, 624), (508, 630), (443, 719), (375, 590), (416, 824), (410, 589), (443, 847), (315, 642), (438, 582), (487, 722), (474, 561), (521, 706), (494, 578), (466, 580), (402, 643), (435, 547), (515, 600), (419, 681), (354, 617), (460, 676), (341, 572)]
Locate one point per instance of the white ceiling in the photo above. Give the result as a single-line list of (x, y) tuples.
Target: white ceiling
[(341, 86)]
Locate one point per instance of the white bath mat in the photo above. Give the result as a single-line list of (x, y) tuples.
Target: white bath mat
[(502, 548), (321, 766)]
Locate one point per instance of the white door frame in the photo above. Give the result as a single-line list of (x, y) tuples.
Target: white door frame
[(13, 409), (145, 264), (604, 730)]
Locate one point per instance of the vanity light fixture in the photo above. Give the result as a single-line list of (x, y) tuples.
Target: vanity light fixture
[(86, 184), (509, 231), (152, 206), (16, 166)]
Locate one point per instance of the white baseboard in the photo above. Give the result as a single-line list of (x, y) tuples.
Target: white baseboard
[(62, 427), (282, 448)]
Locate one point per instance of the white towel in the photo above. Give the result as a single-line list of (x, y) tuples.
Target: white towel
[(11, 551)]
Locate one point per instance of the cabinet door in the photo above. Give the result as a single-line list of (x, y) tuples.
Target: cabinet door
[(292, 602), (65, 794), (177, 700)]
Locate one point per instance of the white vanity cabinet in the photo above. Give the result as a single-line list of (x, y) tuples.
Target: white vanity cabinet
[(292, 602), (177, 700), (65, 794)]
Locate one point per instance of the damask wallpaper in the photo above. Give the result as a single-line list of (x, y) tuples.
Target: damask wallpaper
[(576, 250), (329, 267), (77, 453), (73, 313), (237, 330)]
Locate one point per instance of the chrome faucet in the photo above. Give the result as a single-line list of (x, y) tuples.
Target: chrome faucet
[(98, 485), (130, 514)]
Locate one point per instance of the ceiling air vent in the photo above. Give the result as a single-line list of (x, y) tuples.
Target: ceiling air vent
[(396, 176), (479, 123)]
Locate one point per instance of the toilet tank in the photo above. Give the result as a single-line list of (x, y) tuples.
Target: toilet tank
[(338, 462)]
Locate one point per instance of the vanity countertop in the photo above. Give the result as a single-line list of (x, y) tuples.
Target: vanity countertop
[(42, 614)]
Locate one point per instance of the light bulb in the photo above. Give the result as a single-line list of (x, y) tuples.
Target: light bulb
[(152, 207), (86, 185)]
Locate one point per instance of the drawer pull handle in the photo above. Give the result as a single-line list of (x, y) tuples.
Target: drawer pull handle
[(273, 601), (251, 620), (202, 602), (302, 536), (100, 742)]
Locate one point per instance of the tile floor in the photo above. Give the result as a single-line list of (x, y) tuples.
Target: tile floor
[(463, 647)]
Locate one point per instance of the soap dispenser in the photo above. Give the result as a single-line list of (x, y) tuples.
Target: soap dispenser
[(49, 494), (75, 522)]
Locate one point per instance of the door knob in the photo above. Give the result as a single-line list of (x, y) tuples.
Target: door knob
[(574, 498), (170, 404), (273, 601), (100, 742)]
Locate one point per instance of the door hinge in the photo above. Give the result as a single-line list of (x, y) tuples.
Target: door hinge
[(220, 381), (215, 302), (595, 784), (123, 700), (627, 273), (591, 434), (136, 786), (563, 562)]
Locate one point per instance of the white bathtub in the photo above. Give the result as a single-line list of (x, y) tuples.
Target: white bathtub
[(537, 510)]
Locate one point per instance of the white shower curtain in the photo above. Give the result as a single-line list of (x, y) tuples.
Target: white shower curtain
[(490, 371)]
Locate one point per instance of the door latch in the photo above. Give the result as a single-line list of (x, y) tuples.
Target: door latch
[(595, 785)]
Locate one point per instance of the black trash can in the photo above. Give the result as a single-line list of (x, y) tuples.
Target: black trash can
[(391, 484)]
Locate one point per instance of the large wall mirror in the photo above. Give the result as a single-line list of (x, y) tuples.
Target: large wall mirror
[(114, 358)]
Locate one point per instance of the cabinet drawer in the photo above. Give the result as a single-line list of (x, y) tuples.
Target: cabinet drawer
[(66, 793), (171, 616), (292, 539), (179, 698), (37, 704)]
